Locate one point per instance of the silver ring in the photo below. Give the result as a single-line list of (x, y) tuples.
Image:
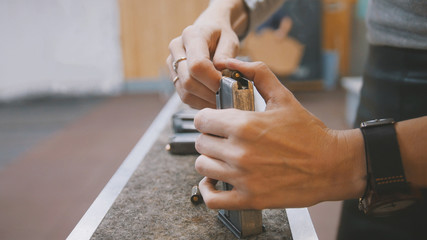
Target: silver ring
[(175, 63), (175, 79)]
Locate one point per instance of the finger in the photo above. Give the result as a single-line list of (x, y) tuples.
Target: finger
[(217, 199), (217, 122), (193, 86), (190, 90), (266, 82), (177, 51), (213, 146), (213, 168), (172, 73), (194, 101), (197, 46), (186, 81), (228, 47)]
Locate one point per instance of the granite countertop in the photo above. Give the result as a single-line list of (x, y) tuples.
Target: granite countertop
[(155, 204)]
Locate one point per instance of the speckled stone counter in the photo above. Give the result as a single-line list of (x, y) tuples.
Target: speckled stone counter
[(155, 204)]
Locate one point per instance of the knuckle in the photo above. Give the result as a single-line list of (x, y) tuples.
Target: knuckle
[(235, 44), (188, 84), (261, 66), (188, 30), (199, 144), (198, 165), (191, 32), (209, 202), (239, 157), (198, 66), (243, 128), (198, 122), (168, 60), (236, 47), (196, 104), (186, 97), (199, 119), (189, 99), (173, 43)]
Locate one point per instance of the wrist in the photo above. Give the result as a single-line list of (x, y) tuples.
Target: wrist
[(351, 151), (387, 190)]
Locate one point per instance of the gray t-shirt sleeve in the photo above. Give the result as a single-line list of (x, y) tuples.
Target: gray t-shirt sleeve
[(398, 23)]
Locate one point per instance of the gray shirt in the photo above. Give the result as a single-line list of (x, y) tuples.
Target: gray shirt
[(398, 23)]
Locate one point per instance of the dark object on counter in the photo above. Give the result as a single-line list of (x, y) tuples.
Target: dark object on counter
[(182, 143), (185, 134), (183, 121)]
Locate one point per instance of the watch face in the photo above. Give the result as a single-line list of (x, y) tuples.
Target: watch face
[(389, 207)]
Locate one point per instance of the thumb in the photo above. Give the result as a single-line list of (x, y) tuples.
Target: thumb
[(264, 79)]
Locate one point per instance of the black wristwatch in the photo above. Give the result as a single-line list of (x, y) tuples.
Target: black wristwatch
[(387, 190)]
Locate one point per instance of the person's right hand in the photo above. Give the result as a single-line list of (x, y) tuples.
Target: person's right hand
[(205, 44), (284, 157)]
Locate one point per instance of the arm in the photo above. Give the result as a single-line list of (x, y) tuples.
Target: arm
[(208, 42), (212, 38), (285, 156), (412, 139)]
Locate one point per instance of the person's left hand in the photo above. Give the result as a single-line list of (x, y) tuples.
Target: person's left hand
[(283, 157)]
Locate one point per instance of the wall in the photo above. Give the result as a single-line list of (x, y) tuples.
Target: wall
[(337, 26), (59, 47), (147, 28)]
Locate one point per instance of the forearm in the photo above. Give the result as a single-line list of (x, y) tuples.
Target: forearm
[(244, 15), (412, 139), (232, 12)]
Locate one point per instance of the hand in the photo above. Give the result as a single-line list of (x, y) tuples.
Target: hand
[(283, 157), (205, 44)]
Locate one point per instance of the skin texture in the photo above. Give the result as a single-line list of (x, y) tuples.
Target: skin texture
[(283, 157), (265, 153), (206, 44)]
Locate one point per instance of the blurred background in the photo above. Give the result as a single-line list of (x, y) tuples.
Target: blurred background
[(81, 81)]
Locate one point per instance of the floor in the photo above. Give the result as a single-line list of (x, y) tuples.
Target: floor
[(24, 123), (58, 154)]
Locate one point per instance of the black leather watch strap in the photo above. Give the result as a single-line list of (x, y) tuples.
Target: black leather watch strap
[(384, 163)]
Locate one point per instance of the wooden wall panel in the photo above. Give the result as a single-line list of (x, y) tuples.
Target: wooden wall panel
[(147, 27), (336, 28)]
